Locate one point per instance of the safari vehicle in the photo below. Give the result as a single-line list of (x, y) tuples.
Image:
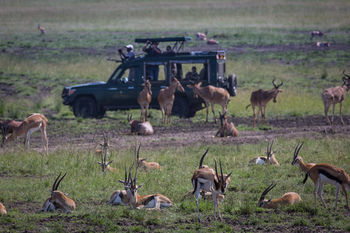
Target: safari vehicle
[(125, 83)]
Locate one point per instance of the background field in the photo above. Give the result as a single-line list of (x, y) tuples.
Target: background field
[(263, 40)]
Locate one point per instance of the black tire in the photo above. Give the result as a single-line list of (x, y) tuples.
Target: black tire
[(232, 84), (85, 107), (181, 107)]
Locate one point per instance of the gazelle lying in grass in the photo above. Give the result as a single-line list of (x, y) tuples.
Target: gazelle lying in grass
[(226, 129), (269, 159), (120, 197), (58, 200), (325, 173), (2, 209), (140, 128), (287, 199), (211, 96), (141, 162), (152, 201), (102, 152), (144, 99), (31, 124), (205, 179), (297, 160)]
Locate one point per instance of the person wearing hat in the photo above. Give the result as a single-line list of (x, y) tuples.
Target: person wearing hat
[(130, 55)]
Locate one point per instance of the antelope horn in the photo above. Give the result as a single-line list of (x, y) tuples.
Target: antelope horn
[(216, 170), (297, 152), (126, 175), (346, 74), (273, 83), (130, 175), (54, 184), (58, 183), (268, 189), (135, 175), (222, 174), (201, 161), (138, 151)]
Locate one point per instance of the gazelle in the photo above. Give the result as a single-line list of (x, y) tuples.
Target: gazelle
[(31, 124), (152, 201), (323, 44), (166, 98), (226, 129), (335, 95), (58, 200), (211, 96), (120, 197), (102, 152), (41, 29), (305, 167), (269, 159), (144, 99), (289, 198), (209, 181), (260, 98), (141, 162), (140, 128), (325, 173), (316, 33), (7, 127), (2, 209)]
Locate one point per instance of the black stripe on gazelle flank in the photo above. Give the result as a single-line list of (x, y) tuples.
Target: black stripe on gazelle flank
[(329, 176)]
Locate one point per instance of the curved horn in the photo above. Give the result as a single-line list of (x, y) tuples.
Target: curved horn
[(201, 161), (58, 183), (54, 184), (273, 83), (346, 74), (130, 175), (216, 169), (222, 174), (126, 175), (268, 189)]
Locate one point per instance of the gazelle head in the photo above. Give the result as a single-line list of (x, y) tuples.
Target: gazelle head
[(276, 90), (195, 87), (178, 85), (147, 85), (223, 180), (49, 204), (103, 152), (269, 151), (223, 118), (262, 202), (297, 158), (346, 80)]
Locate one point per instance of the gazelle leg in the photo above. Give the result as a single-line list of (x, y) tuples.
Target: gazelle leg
[(326, 108), (254, 115), (212, 109), (146, 112), (44, 139), (197, 198), (168, 112), (206, 120), (27, 139), (315, 191), (333, 113), (320, 194), (346, 196), (263, 109), (163, 113), (336, 197), (142, 114), (340, 112)]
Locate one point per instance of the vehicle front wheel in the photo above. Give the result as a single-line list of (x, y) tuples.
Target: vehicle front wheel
[(85, 107)]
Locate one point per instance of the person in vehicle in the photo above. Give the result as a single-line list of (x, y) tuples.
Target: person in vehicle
[(169, 51), (203, 74), (130, 53), (192, 75), (151, 48)]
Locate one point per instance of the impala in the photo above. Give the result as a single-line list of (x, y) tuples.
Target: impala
[(31, 124), (141, 162), (325, 173), (58, 200), (289, 198), (260, 98), (297, 160), (144, 99), (334, 95), (226, 129), (211, 96), (166, 98), (269, 159), (209, 181), (2, 209), (140, 128)]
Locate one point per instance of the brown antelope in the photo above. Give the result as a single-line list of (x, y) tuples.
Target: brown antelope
[(316, 33), (31, 124), (305, 167), (261, 97), (201, 36), (212, 42), (7, 127), (144, 99), (269, 159), (102, 152), (226, 129), (211, 96), (58, 200), (166, 98), (141, 163), (324, 173), (335, 95), (152, 201), (140, 128), (209, 181), (323, 44), (289, 198), (120, 197), (2, 209), (41, 29)]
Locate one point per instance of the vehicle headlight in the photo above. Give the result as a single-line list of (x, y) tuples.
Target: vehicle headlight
[(71, 91)]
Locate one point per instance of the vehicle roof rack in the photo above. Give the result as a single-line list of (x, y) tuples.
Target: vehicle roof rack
[(179, 41)]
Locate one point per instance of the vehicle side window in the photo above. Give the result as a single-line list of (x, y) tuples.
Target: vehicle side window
[(125, 76)]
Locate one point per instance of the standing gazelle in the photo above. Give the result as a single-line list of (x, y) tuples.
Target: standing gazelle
[(298, 160), (31, 124), (324, 173), (144, 99), (209, 181), (166, 98), (334, 95), (269, 159), (2, 209), (58, 200), (287, 199), (261, 97)]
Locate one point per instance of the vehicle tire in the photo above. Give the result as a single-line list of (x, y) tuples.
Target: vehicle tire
[(85, 107), (181, 107), (100, 113), (232, 84)]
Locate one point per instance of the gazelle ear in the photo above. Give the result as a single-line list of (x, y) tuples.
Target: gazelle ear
[(99, 163), (121, 181), (109, 162), (139, 186)]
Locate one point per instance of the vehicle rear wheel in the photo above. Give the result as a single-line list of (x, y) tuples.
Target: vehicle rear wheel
[(181, 107), (85, 107)]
